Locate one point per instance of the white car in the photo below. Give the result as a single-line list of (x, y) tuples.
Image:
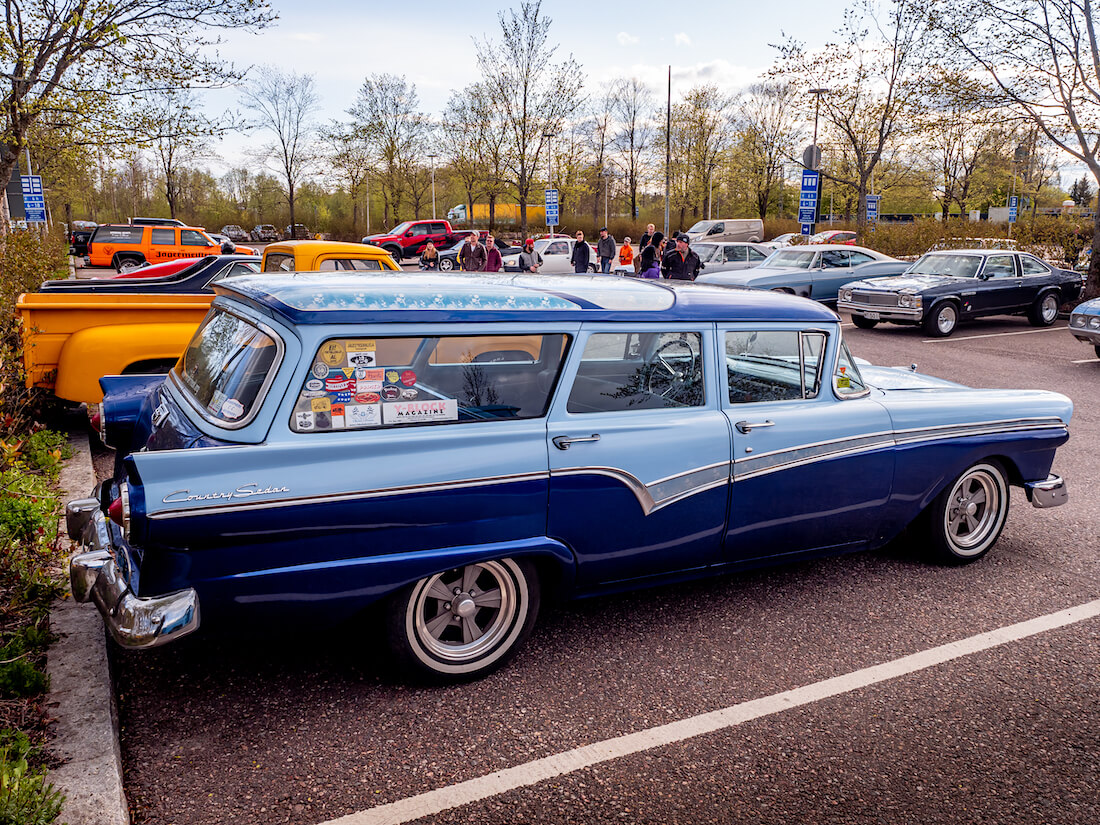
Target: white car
[(556, 253), (786, 239)]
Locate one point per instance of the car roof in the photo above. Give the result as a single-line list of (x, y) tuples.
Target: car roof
[(320, 298), (985, 253)]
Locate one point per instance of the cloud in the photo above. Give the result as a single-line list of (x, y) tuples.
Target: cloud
[(681, 39), (627, 39), (306, 37), (727, 76)]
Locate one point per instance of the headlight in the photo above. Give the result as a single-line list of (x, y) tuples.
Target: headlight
[(905, 300), (1094, 322), (845, 294), (1077, 321)]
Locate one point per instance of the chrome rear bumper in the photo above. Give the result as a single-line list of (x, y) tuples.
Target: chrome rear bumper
[(95, 576), (1050, 492)]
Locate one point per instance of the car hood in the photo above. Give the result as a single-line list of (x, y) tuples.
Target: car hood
[(913, 283), (903, 378), (1091, 307)]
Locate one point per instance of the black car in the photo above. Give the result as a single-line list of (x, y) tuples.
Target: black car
[(949, 286), (78, 241), (448, 258), (192, 279)]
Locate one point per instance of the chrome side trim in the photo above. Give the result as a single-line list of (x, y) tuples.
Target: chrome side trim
[(663, 492)]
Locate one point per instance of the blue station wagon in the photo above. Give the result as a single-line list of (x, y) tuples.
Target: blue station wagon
[(451, 448)]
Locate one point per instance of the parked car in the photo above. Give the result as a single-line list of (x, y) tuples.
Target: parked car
[(455, 450), (813, 271), (325, 256), (126, 246), (843, 236), (192, 276), (1084, 323), (786, 239), (408, 239), (161, 270), (723, 257), (235, 233), (448, 258), (297, 233), (943, 288), (556, 253), (750, 230), (264, 232), (79, 234)]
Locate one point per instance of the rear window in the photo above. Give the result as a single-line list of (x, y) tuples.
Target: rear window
[(361, 383), (118, 234), (227, 367), (277, 262), (349, 264)]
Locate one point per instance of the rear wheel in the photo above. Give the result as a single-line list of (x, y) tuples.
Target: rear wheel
[(465, 622), (127, 263), (941, 320), (966, 519), (864, 323), (446, 264), (1096, 349), (1044, 311)]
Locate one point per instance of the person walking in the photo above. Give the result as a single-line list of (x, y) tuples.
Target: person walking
[(649, 265), (681, 264), (471, 257), (529, 259), (626, 256), (605, 250), (429, 257), (493, 261), (647, 236), (582, 254)]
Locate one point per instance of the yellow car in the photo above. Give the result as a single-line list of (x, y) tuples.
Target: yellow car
[(325, 256)]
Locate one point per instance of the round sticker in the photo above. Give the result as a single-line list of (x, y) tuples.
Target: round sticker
[(409, 395), (315, 384), (392, 376), (320, 370), (408, 378), (390, 393), (232, 409), (332, 354), (367, 398)]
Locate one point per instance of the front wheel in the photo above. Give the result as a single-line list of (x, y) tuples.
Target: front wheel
[(1096, 349), (864, 323), (967, 517), (465, 622), (1044, 311), (942, 320), (446, 264)]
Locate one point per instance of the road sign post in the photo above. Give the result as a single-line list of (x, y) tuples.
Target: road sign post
[(807, 201), (551, 209), (34, 200)]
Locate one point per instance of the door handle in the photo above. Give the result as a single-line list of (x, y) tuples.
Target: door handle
[(563, 442), (749, 426)]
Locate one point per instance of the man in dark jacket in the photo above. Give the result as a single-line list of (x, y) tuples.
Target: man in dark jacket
[(606, 249), (471, 258), (582, 254), (681, 264)]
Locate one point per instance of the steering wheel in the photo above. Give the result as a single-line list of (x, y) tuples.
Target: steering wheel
[(663, 377)]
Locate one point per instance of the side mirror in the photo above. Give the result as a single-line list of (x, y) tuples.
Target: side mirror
[(983, 276)]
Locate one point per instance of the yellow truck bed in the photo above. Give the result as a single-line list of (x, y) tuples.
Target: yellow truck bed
[(71, 341)]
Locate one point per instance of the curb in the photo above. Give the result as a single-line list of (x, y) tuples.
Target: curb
[(81, 695)]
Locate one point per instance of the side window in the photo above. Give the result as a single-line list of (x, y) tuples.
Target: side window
[(755, 255), (847, 381), (277, 262), (361, 265), (117, 234), (622, 371), (773, 365), (361, 383), (558, 248), (439, 229), (163, 236), (189, 237), (1030, 266), (999, 266), (834, 259), (735, 253), (858, 258)]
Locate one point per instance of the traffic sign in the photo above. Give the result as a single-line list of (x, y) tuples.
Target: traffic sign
[(1013, 204), (807, 199), (872, 209), (551, 207), (34, 201)]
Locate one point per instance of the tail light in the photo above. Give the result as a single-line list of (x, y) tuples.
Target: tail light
[(95, 419), (119, 510)]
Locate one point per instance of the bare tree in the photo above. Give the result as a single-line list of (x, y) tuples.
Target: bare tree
[(600, 129), (284, 104), (771, 128), (870, 73), (350, 159), (533, 93), (633, 104), (58, 56), (461, 135)]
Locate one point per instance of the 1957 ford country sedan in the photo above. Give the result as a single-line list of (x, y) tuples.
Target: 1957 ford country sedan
[(451, 448)]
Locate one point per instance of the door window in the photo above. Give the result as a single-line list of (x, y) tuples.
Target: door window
[(999, 266), (773, 365), (163, 236), (834, 259), (754, 254), (735, 254), (858, 258), (622, 371), (191, 237), (1030, 266), (558, 248)]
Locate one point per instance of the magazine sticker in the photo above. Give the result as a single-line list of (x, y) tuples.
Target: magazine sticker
[(363, 415), (420, 412)]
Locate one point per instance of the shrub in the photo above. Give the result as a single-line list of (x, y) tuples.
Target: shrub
[(25, 796), (44, 451)]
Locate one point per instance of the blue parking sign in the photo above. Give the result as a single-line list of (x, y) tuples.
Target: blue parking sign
[(551, 207), (807, 198), (34, 200)]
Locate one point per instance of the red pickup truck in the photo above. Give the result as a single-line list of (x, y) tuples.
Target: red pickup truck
[(408, 239)]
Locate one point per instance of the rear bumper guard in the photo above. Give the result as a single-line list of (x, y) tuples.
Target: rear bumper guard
[(1051, 492)]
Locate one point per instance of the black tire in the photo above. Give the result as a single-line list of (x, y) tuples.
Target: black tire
[(446, 264), (967, 518), (1096, 349), (435, 638), (592, 269), (785, 290), (395, 252), (127, 263), (864, 323), (941, 320), (1044, 311)]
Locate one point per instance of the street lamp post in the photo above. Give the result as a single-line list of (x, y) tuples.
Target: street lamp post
[(432, 158), (815, 153), (817, 93), (549, 136)]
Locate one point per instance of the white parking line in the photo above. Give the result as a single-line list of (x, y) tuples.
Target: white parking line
[(990, 335), (1086, 361), (473, 790)]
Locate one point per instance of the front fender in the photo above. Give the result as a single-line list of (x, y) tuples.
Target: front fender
[(89, 354)]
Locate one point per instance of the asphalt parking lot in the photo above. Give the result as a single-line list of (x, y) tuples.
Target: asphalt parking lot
[(609, 712)]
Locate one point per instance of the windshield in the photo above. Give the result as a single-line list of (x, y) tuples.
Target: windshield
[(955, 266), (225, 367), (789, 259), (401, 227), (702, 226), (708, 252)]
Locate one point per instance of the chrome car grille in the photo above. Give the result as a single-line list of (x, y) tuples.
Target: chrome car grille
[(877, 299)]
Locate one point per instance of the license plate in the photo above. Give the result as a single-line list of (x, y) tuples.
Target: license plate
[(871, 316)]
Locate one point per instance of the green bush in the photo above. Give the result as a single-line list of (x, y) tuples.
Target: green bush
[(25, 796), (44, 451), (28, 508)]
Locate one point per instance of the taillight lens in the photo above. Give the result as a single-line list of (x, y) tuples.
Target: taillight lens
[(119, 510)]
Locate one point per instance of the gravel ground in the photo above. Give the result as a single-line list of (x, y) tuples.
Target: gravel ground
[(306, 728)]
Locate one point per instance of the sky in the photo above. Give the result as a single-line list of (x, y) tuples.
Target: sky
[(431, 43)]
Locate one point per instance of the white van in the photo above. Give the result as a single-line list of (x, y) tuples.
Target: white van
[(727, 229)]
